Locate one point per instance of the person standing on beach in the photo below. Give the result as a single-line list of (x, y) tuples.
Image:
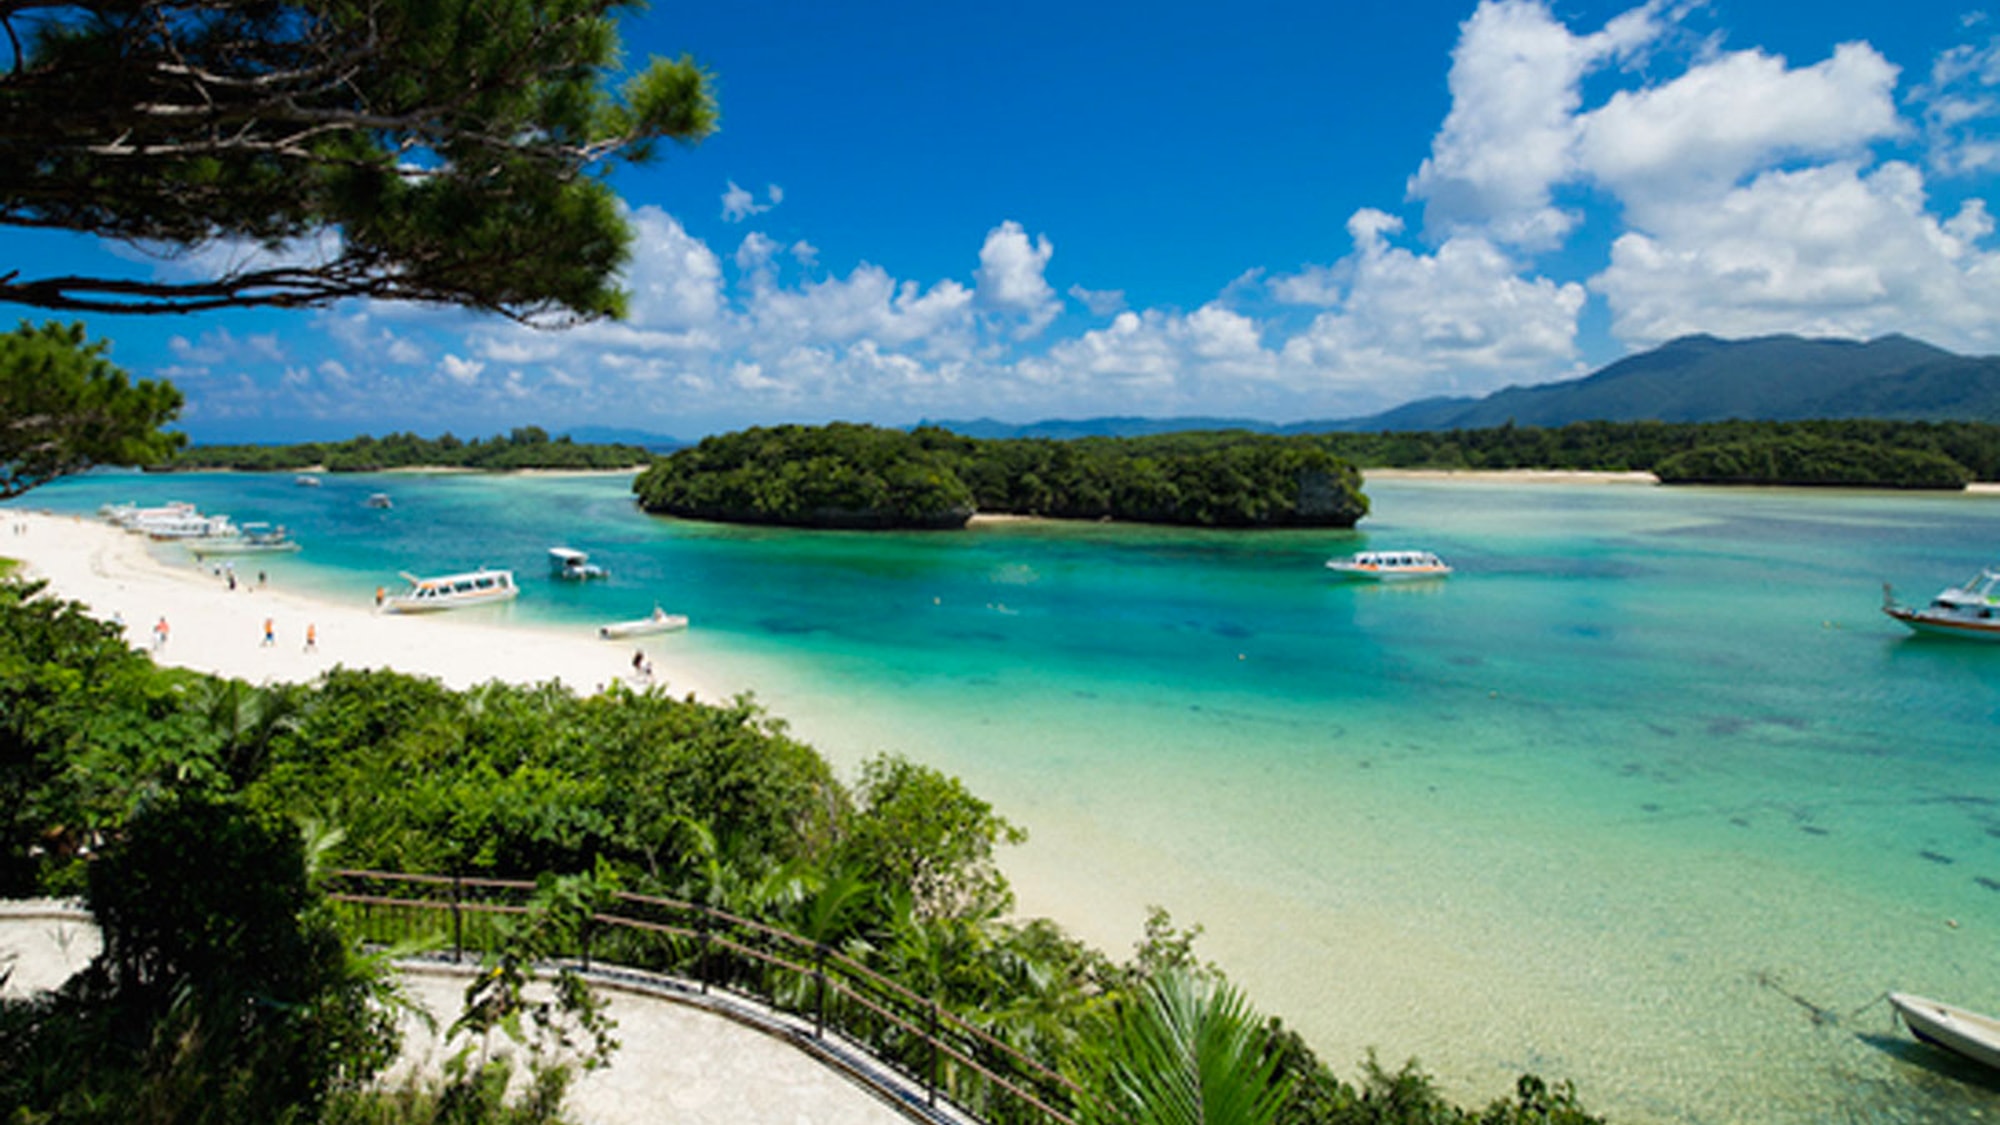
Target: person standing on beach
[(160, 634), (270, 636), (312, 638)]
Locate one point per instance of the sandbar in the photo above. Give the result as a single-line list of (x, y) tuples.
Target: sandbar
[(1513, 476), (212, 628)]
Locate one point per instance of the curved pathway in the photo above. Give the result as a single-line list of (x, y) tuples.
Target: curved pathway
[(682, 1056)]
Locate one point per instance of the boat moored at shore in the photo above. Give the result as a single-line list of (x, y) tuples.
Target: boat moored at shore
[(1969, 610), (1389, 566), (659, 621), (177, 520), (451, 591), (1962, 1032), (253, 538)]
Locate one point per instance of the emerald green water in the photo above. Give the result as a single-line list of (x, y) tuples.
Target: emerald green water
[(1649, 774)]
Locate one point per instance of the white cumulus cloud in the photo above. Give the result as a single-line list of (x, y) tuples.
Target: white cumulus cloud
[(1010, 277), (739, 204), (1462, 320), (1829, 250), (1511, 133), (1703, 132), (464, 372)]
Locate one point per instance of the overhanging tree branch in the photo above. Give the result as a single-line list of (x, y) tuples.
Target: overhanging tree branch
[(458, 160)]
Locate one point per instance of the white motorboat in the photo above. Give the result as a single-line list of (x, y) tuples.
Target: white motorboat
[(1971, 610), (306, 480), (130, 516), (573, 565), (1389, 566), (181, 524), (255, 538), (1955, 1029), (659, 621), (474, 587), (378, 500)]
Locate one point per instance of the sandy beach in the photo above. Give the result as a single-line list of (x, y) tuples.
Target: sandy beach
[(212, 628), (1512, 476)]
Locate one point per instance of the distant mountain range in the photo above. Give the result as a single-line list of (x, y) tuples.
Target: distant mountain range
[(613, 435), (1692, 379)]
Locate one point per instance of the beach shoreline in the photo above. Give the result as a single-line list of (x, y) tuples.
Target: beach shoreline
[(215, 627), (1513, 476)]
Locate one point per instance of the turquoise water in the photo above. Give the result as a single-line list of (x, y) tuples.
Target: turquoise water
[(1616, 802)]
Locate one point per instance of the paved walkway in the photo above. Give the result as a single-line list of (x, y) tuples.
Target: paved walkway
[(677, 1061)]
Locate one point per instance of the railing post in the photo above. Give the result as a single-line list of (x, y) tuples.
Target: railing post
[(819, 991), (931, 1087), (701, 957), (457, 922)]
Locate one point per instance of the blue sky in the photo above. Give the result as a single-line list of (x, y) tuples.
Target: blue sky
[(1272, 209)]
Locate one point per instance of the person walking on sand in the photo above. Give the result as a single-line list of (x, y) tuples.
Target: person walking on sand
[(160, 634), (270, 635), (312, 638)]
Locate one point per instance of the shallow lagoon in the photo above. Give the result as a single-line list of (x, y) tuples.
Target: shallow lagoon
[(1616, 802)]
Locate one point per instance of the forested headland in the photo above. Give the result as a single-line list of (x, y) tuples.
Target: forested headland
[(192, 812), (1860, 453), (525, 447), (846, 475)]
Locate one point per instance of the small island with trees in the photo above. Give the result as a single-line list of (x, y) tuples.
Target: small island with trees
[(854, 476)]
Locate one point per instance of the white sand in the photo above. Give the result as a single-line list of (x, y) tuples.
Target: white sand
[(1513, 476), (214, 629)]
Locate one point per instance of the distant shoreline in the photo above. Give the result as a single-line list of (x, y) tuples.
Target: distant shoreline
[(1513, 476), (412, 470)]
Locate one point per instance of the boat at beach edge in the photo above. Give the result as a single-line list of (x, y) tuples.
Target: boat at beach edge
[(1961, 1031), (658, 621), (450, 591)]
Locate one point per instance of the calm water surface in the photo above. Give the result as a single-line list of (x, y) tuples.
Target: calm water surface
[(1626, 799)]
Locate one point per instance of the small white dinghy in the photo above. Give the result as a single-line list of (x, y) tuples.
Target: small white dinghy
[(659, 621), (1955, 1029)]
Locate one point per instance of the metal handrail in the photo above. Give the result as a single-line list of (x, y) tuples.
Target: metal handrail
[(1023, 1088)]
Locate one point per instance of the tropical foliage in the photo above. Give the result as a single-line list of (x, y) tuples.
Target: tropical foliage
[(64, 407), (1644, 446), (1812, 461), (399, 150), (145, 769), (841, 475), (525, 447), (845, 475)]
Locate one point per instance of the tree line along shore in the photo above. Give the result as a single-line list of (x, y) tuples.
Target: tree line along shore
[(860, 476)]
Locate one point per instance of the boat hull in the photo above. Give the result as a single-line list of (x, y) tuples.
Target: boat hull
[(1941, 625), (1377, 574), (453, 591), (663, 624), (242, 548), (454, 601), (1958, 1030)]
